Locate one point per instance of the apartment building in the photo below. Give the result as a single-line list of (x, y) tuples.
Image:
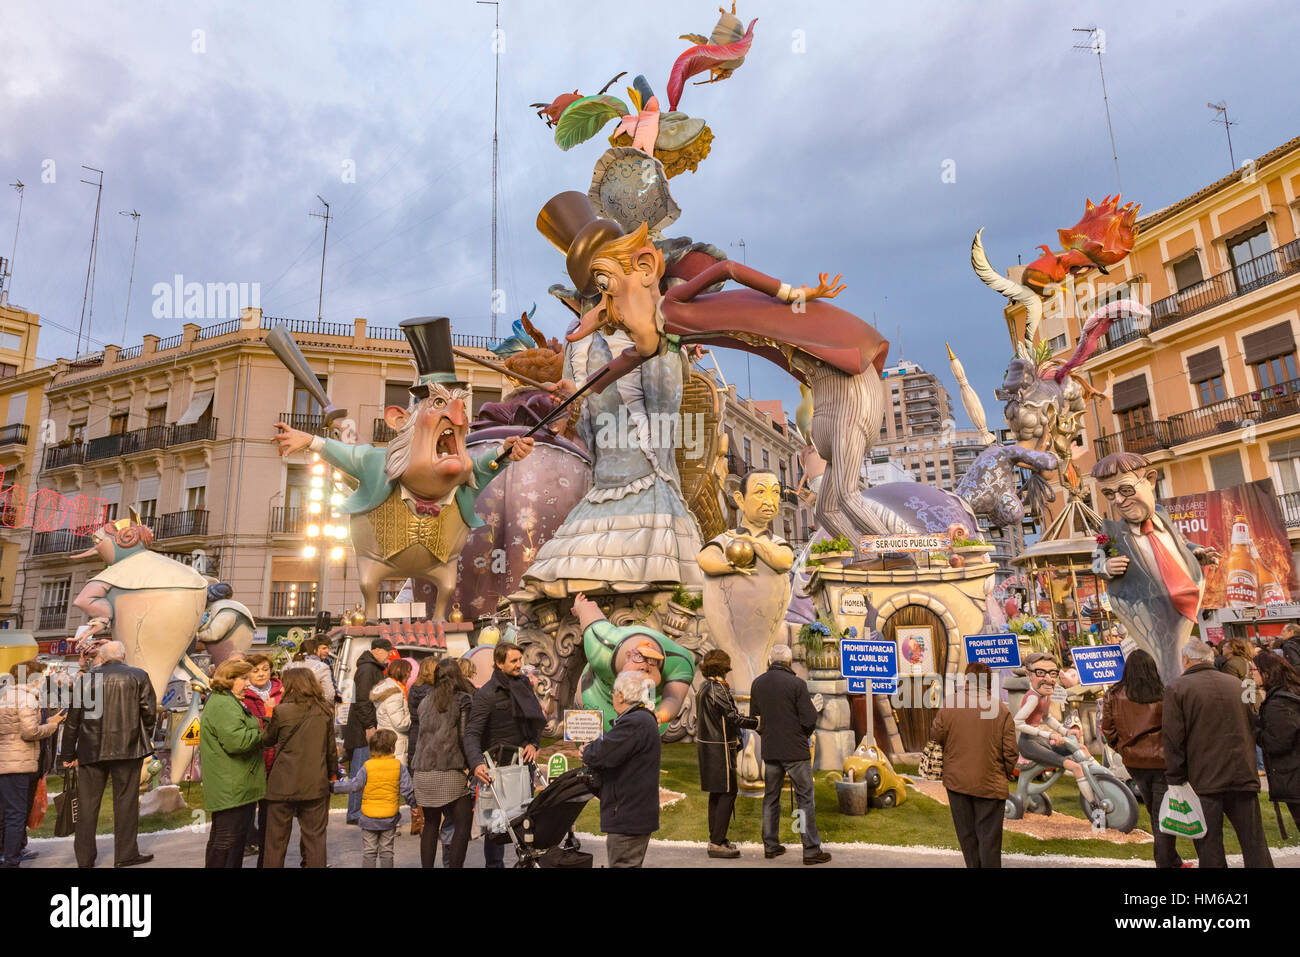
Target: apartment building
[(22, 388), (919, 432), (1209, 388), (180, 428)]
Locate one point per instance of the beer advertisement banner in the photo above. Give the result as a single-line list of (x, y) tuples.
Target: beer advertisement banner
[(1245, 524)]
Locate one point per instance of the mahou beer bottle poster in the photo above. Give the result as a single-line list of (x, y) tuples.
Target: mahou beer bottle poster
[(1245, 524)]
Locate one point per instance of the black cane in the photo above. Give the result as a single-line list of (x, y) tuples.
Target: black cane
[(599, 377)]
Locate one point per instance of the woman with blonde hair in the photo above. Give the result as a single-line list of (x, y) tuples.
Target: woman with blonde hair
[(234, 774)]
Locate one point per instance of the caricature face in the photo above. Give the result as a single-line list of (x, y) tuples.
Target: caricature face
[(761, 499), (1043, 676), (1133, 493), (628, 300), (431, 438)]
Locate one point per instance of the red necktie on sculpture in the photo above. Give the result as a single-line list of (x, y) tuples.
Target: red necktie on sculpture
[(1183, 591)]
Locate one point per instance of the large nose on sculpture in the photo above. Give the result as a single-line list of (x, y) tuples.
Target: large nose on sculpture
[(456, 413)]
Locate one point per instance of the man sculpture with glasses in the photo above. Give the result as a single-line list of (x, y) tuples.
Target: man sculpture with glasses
[(1039, 736), (1154, 576)]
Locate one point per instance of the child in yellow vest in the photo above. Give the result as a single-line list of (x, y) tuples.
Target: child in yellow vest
[(383, 782)]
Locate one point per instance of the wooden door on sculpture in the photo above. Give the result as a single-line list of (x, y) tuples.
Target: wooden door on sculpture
[(922, 641)]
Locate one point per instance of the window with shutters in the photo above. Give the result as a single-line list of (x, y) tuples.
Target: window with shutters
[(1211, 390), (1276, 371), (54, 603), (117, 423), (155, 417), (303, 401), (1187, 272), (1284, 455), (749, 455), (767, 463), (1057, 343), (1135, 417), (1252, 262), (195, 498), (77, 431), (7, 369), (1226, 470)]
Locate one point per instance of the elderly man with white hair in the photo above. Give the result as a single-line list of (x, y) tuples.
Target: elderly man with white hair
[(627, 757), (108, 733), (1209, 743), (786, 718)]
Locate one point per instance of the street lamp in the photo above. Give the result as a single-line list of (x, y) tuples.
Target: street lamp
[(330, 527)]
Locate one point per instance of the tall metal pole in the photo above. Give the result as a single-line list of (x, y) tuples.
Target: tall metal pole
[(6, 281), (87, 294), (744, 258), (320, 301), (1095, 44), (131, 282), (1221, 108), (496, 97)]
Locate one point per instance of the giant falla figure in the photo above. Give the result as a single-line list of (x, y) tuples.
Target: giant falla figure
[(413, 508)]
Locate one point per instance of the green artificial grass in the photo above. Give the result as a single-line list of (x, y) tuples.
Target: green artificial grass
[(919, 821)]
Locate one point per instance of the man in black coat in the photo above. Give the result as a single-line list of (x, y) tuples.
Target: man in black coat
[(503, 714), (367, 673), (786, 718), (1210, 744), (1289, 645), (627, 757), (108, 733)]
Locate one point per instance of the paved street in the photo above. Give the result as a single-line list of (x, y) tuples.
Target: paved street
[(184, 848)]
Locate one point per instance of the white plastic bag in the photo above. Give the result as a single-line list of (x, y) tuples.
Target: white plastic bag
[(513, 785), (1181, 814)]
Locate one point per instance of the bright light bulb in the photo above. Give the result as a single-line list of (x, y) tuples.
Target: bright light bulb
[(315, 495), (336, 499), (318, 468), (328, 531), (317, 482), (340, 532), (309, 551), (338, 476), (314, 530), (337, 553), (314, 508)]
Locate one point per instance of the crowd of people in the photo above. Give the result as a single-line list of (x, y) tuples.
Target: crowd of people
[(427, 738)]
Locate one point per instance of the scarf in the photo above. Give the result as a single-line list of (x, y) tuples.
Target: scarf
[(525, 707)]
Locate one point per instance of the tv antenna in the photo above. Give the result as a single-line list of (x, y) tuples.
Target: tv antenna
[(1096, 43), (1221, 116), (496, 98), (320, 300), (88, 294), (131, 282), (6, 280)]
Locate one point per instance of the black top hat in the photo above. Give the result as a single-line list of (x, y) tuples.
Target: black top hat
[(572, 226), (430, 339)]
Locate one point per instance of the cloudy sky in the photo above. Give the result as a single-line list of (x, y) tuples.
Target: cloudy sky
[(220, 124)]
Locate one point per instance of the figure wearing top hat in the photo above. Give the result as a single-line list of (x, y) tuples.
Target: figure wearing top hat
[(623, 285), (414, 504)]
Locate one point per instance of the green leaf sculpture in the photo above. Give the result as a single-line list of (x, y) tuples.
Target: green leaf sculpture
[(584, 118)]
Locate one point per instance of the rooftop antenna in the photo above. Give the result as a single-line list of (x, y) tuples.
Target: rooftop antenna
[(1221, 116), (6, 280), (131, 282), (744, 258), (496, 97), (88, 294), (320, 300), (1096, 43)]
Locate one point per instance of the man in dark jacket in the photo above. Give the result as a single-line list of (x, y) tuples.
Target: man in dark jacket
[(627, 757), (1289, 645), (786, 718), (1210, 744), (504, 714), (369, 671), (108, 733), (978, 737)]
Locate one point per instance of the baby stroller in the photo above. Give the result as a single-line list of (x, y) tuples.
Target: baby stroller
[(542, 832)]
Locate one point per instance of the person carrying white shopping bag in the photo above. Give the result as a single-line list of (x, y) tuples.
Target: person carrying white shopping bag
[(1210, 750), (1181, 814)]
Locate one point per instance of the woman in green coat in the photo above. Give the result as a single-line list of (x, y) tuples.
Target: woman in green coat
[(234, 774)]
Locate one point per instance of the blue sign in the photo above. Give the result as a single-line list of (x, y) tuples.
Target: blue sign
[(869, 662), (996, 651), (1099, 664)]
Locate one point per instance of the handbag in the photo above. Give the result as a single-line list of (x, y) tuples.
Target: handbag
[(40, 804), (1181, 815), (931, 766), (65, 805), (506, 797)]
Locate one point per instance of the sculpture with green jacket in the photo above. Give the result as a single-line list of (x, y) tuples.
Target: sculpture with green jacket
[(413, 508)]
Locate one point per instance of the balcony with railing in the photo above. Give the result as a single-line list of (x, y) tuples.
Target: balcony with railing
[(313, 424), (1238, 412), (180, 524), (381, 432), (59, 456), (150, 437), (289, 520), (1289, 502), (1143, 438), (52, 618), (16, 434), (1243, 278), (60, 540), (291, 602)]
